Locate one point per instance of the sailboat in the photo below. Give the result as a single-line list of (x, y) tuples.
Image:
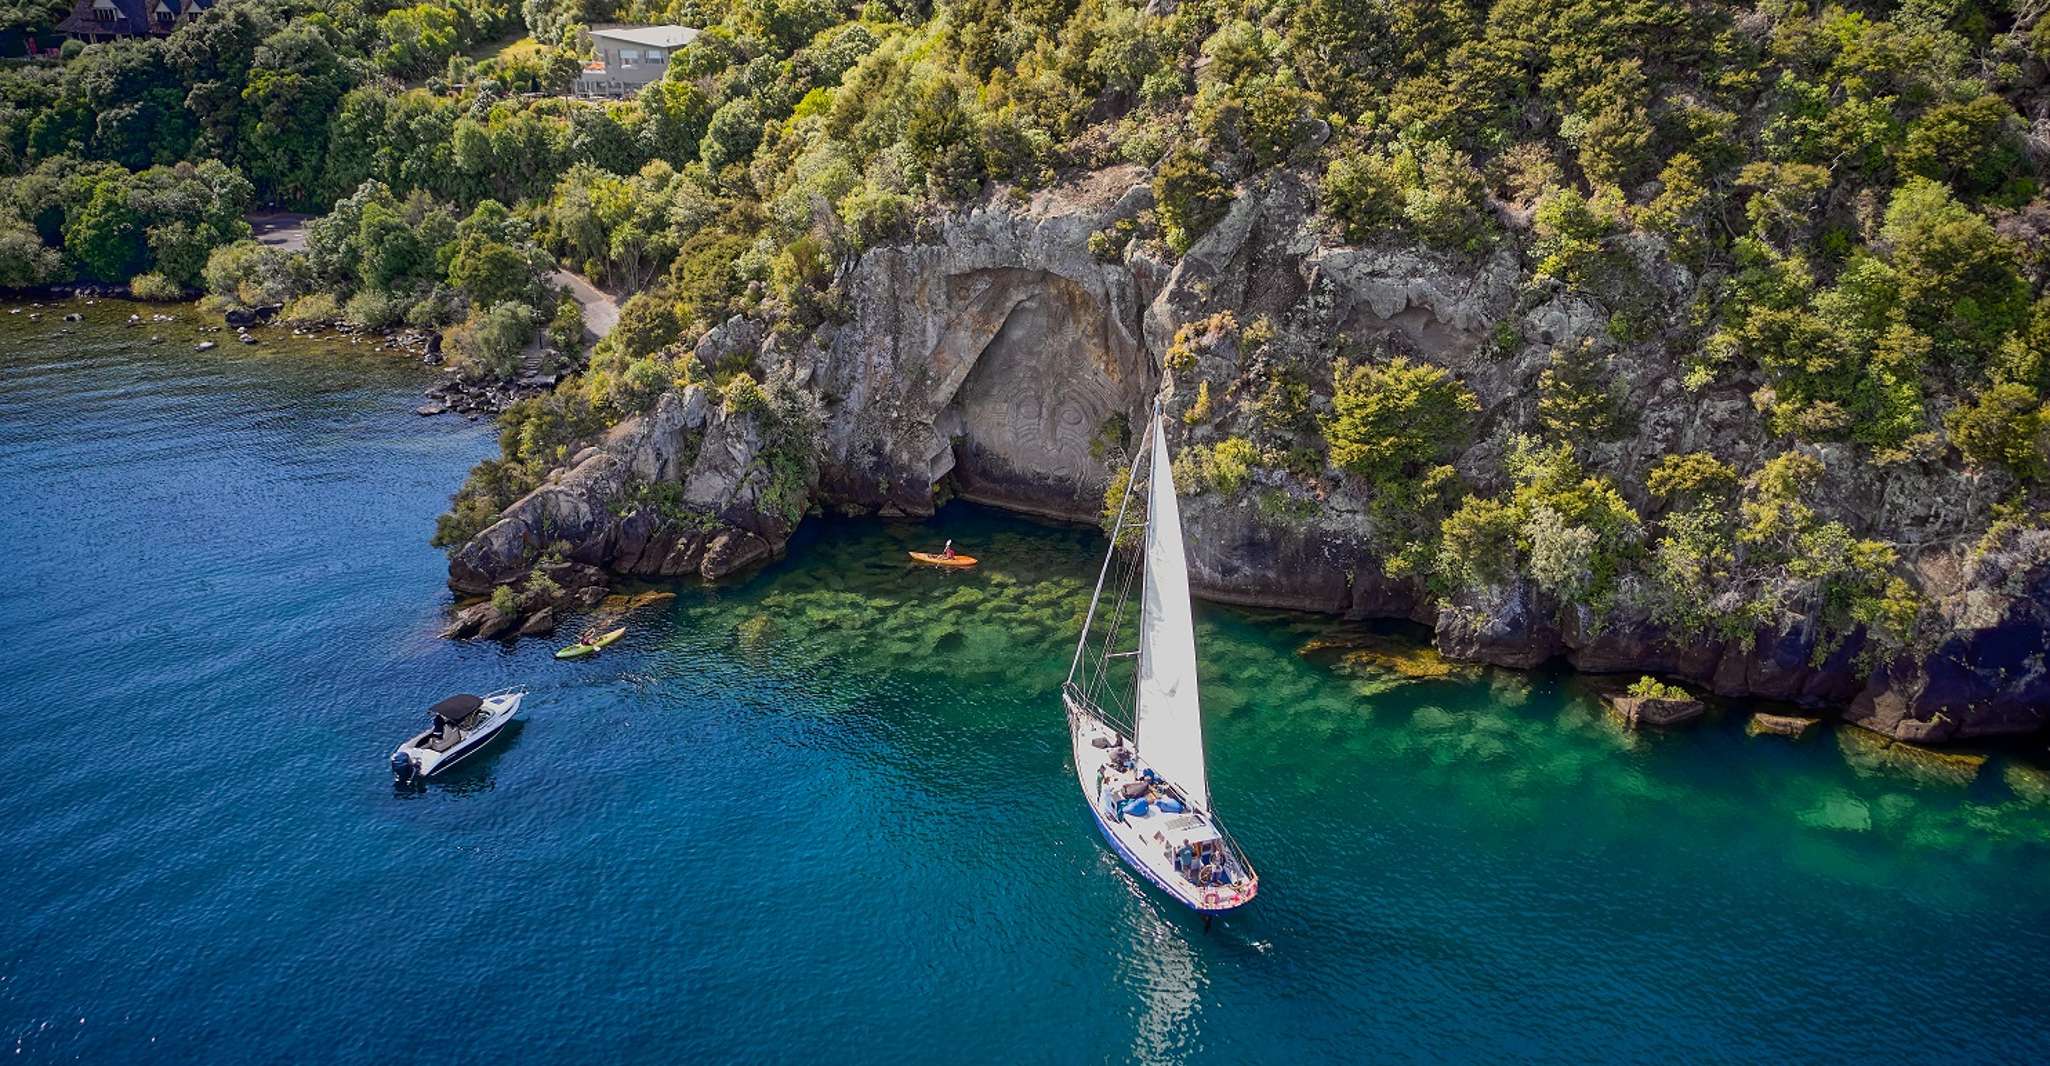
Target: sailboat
[(1148, 785)]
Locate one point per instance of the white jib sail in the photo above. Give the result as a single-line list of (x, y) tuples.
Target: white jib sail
[(1170, 726)]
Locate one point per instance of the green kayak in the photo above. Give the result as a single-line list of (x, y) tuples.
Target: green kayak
[(586, 647)]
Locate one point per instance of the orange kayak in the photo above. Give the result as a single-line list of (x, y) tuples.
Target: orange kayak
[(958, 562)]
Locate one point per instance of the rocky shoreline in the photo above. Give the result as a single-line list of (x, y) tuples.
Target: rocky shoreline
[(1000, 359)]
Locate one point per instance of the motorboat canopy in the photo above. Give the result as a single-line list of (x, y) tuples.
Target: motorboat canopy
[(457, 709)]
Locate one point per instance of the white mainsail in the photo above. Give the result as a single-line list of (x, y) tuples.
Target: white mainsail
[(1170, 720)]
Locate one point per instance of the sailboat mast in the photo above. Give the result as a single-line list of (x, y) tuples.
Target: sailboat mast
[(1124, 503)]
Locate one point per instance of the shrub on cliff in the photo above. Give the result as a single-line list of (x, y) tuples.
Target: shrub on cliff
[(1429, 190), (1395, 418), (1577, 395), (1566, 529), (1190, 197), (2006, 428)]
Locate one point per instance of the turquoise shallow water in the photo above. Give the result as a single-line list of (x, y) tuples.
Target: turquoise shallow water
[(826, 812)]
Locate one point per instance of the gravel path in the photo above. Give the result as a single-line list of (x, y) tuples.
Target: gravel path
[(601, 311)]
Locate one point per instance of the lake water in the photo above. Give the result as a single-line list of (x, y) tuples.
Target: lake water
[(826, 813)]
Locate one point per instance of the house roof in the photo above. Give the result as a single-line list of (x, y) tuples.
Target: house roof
[(651, 36), (136, 17)]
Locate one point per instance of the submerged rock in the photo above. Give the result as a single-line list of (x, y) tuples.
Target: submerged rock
[(2029, 783), (1874, 754), (1780, 725), (1840, 811)]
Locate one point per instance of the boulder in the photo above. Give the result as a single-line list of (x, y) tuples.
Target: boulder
[(539, 624), (480, 620), (732, 551), (575, 509), (1644, 712)]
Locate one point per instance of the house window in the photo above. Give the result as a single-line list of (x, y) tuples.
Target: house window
[(628, 58), (164, 13), (657, 57), (105, 11)]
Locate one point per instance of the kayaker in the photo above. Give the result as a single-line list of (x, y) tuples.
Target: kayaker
[(948, 551)]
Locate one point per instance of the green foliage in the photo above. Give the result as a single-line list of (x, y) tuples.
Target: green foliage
[(311, 310), (1226, 467), (488, 344), (1651, 688), (745, 396), (1567, 530), (566, 327), (1577, 396), (1691, 477), (1430, 191), (2006, 428), (1134, 509), (155, 287), (1970, 145), (1190, 197), (1574, 239), (1395, 418)]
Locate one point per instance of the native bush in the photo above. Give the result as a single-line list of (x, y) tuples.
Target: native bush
[(1392, 419)]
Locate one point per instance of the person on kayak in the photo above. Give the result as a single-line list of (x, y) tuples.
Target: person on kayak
[(948, 551)]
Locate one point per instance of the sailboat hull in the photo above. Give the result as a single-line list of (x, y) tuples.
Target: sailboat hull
[(1147, 843)]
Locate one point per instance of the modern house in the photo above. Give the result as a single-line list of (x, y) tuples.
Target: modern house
[(630, 57), (106, 20)]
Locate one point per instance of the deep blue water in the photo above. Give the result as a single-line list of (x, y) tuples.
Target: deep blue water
[(825, 813)]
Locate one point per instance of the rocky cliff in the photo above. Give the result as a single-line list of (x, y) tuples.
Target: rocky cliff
[(1007, 357)]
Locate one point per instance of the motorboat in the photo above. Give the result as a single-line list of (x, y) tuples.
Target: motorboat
[(1134, 714), (460, 726)]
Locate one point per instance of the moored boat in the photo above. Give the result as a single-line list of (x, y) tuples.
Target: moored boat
[(1146, 779), (460, 726)]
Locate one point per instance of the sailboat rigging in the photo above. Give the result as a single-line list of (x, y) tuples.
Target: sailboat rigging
[(1144, 774)]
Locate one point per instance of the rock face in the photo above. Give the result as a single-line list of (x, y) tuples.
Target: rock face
[(1989, 677), (998, 357)]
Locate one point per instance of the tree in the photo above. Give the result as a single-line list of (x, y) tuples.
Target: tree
[(24, 259), (105, 235), (731, 135), (1190, 197), (2006, 428), (295, 85), (1959, 283), (495, 260), (1972, 145), (1393, 420)]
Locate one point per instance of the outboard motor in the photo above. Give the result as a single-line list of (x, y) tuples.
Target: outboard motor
[(403, 768)]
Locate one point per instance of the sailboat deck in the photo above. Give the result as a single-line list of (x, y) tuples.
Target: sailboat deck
[(1150, 842)]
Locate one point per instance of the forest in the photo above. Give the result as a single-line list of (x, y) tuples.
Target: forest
[(1859, 182)]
